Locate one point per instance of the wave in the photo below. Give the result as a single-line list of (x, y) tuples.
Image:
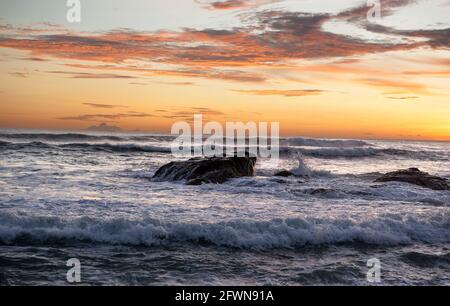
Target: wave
[(424, 260), (120, 148), (330, 153), (73, 137), (313, 142), (323, 148), (276, 233), (59, 137), (303, 169)]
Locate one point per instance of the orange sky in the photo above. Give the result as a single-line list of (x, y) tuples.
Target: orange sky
[(324, 74)]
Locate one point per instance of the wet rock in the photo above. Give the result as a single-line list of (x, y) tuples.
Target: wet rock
[(197, 171), (417, 177), (284, 173)]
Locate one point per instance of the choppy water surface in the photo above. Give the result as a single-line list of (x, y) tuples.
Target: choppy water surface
[(89, 196)]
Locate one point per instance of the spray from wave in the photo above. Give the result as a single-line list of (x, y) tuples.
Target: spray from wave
[(304, 170), (275, 233)]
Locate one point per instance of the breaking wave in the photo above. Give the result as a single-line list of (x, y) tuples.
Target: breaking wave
[(312, 142), (317, 148), (108, 147), (330, 153), (78, 137), (276, 233)]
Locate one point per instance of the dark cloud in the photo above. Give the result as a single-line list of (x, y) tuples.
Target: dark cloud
[(268, 38), (33, 59)]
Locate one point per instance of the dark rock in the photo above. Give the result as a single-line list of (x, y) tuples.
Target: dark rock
[(197, 171), (417, 177), (284, 173)]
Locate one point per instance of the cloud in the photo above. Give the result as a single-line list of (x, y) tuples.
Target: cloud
[(33, 59), (390, 83), (228, 4), (266, 38), (441, 73), (210, 73), (178, 83), (226, 75), (19, 74), (403, 98), (96, 117), (276, 36), (284, 93), (87, 75), (97, 105), (189, 113), (207, 111), (104, 128), (138, 83), (232, 4)]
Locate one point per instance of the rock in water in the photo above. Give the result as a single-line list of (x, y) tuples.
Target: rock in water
[(417, 177), (284, 173), (197, 171)]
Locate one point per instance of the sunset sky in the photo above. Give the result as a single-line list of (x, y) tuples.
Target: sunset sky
[(319, 67)]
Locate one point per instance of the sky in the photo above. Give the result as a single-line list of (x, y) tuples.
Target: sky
[(321, 68)]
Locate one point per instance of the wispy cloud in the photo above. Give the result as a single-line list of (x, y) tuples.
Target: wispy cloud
[(138, 83), (403, 98), (284, 93), (188, 114), (178, 83), (98, 105), (19, 74), (231, 4), (391, 83), (96, 117), (88, 75)]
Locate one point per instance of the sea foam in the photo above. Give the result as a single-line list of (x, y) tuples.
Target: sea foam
[(296, 232)]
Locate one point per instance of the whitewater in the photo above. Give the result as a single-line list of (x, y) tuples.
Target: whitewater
[(90, 196)]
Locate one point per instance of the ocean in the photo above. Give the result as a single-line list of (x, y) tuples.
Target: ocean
[(90, 196)]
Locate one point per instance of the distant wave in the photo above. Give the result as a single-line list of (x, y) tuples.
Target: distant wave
[(349, 152), (312, 142), (58, 137), (299, 141), (72, 137), (275, 233), (424, 260), (107, 147), (330, 153), (317, 148)]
